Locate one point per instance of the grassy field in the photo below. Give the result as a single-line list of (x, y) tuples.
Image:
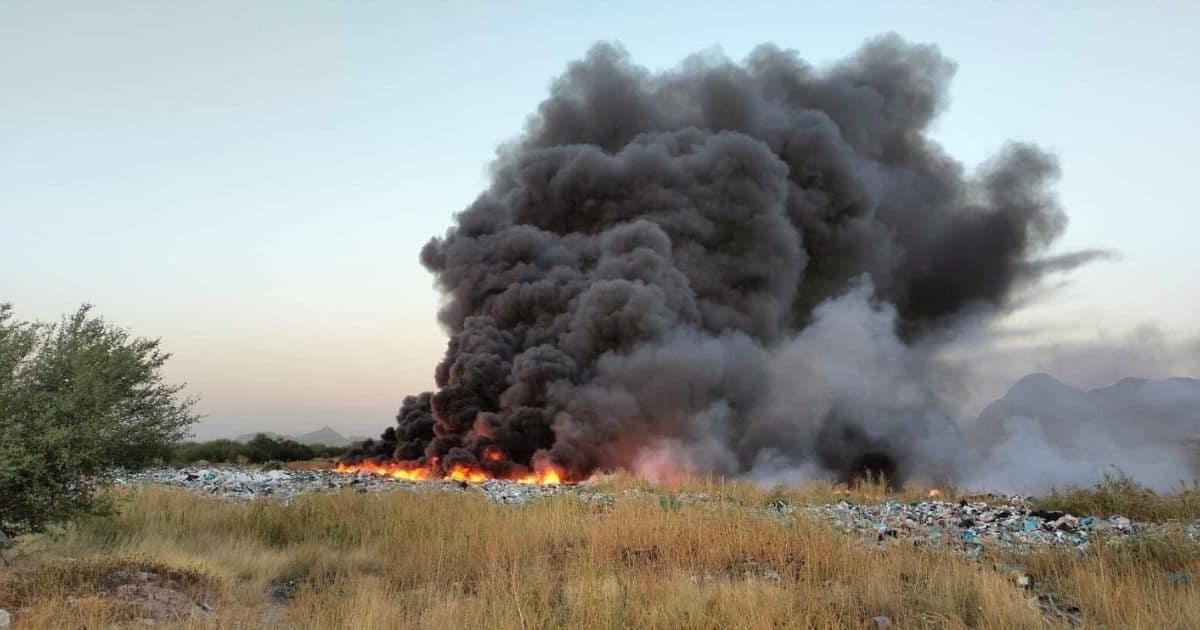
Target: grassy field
[(1118, 494), (448, 560)]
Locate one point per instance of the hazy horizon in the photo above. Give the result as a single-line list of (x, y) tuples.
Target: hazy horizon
[(252, 183)]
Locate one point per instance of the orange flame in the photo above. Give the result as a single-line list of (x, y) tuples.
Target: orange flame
[(549, 477), (394, 470), (935, 493), (463, 473), (410, 471)]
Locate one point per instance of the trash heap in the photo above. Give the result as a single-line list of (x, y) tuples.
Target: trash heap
[(975, 525), (970, 526), (235, 483), (516, 493), (247, 484)]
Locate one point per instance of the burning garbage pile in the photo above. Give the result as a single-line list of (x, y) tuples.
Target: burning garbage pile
[(458, 472), (971, 526), (236, 483), (727, 268)]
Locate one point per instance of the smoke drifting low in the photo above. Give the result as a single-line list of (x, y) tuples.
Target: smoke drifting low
[(725, 268)]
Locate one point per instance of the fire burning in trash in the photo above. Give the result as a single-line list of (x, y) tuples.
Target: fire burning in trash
[(661, 254), (412, 471)]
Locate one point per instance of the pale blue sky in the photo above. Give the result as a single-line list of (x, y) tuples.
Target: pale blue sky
[(251, 181)]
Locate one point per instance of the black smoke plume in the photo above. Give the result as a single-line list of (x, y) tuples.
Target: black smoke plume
[(626, 292)]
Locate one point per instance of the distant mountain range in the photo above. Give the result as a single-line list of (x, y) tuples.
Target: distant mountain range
[(1045, 433), (325, 435), (1131, 411)]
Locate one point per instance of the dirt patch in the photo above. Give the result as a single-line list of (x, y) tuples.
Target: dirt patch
[(131, 589), (154, 595)]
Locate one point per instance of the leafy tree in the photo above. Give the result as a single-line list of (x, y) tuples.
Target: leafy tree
[(77, 398)]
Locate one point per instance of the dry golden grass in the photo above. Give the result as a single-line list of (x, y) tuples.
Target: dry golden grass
[(1119, 494), (747, 493), (448, 560)]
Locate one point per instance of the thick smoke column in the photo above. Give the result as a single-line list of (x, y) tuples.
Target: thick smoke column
[(656, 248)]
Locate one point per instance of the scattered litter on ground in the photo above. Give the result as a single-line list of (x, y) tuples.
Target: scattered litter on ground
[(1004, 521), (1009, 522)]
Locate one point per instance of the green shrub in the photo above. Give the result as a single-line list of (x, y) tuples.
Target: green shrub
[(261, 449), (214, 451), (77, 398)]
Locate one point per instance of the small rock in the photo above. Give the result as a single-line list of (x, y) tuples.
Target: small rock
[(881, 622), (1179, 577), (5, 618), (283, 592)]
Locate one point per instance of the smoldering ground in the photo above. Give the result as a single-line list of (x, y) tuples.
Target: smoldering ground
[(731, 268)]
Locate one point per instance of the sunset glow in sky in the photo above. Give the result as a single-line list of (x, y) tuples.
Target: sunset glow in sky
[(252, 182)]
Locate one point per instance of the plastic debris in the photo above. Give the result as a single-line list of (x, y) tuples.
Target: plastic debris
[(1007, 522), (240, 483), (1001, 521)]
